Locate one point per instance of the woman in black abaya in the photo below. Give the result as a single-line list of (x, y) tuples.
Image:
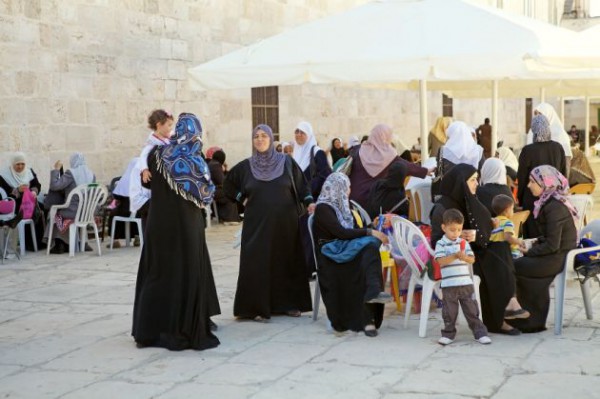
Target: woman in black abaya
[(175, 290), (272, 277)]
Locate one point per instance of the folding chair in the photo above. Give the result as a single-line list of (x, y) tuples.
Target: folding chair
[(518, 219)]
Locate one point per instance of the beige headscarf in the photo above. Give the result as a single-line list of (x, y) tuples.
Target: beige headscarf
[(377, 152), (440, 127)]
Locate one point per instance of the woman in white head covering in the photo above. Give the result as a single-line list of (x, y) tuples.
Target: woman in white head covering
[(493, 182), (311, 159), (461, 147), (17, 177), (60, 187)]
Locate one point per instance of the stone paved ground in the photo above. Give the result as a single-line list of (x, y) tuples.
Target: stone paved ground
[(65, 324)]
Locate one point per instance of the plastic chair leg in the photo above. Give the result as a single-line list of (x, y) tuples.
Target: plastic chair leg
[(112, 233), (82, 238), (587, 300), (127, 233), (33, 236), (560, 285), (409, 298), (317, 299), (425, 303), (97, 239), (394, 278), (72, 239), (140, 233), (21, 231)]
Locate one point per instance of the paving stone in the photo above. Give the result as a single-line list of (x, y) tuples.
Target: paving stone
[(551, 385), (279, 354), (172, 369), (41, 384), (118, 389), (242, 374), (564, 355), (194, 391)]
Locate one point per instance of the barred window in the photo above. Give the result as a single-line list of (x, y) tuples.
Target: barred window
[(447, 109), (265, 108)]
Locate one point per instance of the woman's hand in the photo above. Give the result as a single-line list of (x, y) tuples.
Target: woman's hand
[(58, 164), (468, 235), (311, 208), (146, 176), (23, 187), (380, 236)]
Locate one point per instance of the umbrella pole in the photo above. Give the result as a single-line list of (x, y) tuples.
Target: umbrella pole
[(562, 110), (494, 117), (587, 127), (423, 120), (542, 94)]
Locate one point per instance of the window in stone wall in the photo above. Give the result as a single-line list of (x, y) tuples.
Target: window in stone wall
[(265, 107), (447, 109), (528, 113)]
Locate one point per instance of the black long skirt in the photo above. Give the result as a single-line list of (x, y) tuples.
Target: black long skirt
[(534, 276), (497, 273), (345, 287)]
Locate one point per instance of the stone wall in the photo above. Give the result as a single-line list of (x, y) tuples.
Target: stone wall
[(82, 75)]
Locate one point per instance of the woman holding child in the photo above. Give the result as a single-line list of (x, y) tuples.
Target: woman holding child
[(556, 218)]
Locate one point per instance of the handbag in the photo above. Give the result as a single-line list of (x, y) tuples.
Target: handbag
[(300, 207), (436, 183), (588, 270), (28, 204), (343, 251)]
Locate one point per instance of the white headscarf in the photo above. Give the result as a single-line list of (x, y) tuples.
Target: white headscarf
[(556, 127), (354, 141), (460, 147), (81, 173), (11, 176), (508, 157), (302, 152), (493, 171), (122, 187)]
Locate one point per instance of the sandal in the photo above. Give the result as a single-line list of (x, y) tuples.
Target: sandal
[(516, 314), (293, 313), (370, 331)]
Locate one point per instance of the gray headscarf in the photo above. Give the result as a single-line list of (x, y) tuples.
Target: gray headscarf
[(268, 165), (334, 194), (541, 129), (81, 173)]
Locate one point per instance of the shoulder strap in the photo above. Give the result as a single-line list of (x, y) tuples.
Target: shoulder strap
[(313, 164)]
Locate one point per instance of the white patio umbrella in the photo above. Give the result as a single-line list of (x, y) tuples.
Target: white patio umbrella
[(391, 41)]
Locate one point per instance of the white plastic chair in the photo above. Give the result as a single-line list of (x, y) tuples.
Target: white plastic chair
[(422, 194), (363, 213), (317, 297), (560, 285), (406, 237), (127, 220), (584, 204), (90, 197), (6, 231)]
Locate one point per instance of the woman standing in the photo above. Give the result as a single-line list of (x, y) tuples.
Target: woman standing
[(371, 161), (272, 277), (543, 151), (311, 159), (558, 132), (352, 291), (556, 218), (175, 291), (437, 135)]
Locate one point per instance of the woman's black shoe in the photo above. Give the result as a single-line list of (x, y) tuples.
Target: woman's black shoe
[(59, 248), (512, 331)]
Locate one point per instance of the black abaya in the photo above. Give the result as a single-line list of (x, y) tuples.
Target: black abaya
[(175, 290), (272, 277), (345, 287)]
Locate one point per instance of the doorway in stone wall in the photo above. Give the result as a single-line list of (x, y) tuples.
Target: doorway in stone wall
[(265, 108)]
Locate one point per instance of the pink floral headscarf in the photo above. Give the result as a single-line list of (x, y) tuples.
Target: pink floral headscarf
[(555, 185)]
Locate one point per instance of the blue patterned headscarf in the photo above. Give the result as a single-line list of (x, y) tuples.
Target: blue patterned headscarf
[(181, 164)]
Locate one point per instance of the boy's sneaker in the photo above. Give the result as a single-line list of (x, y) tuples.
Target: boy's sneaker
[(484, 340), (445, 341), (382, 297)]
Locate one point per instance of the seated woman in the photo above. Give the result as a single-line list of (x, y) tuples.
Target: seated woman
[(388, 193), (227, 209), (493, 182), (352, 291), (15, 179), (581, 171), (556, 219), (77, 175)]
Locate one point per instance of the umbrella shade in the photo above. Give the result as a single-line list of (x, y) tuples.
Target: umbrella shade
[(387, 42)]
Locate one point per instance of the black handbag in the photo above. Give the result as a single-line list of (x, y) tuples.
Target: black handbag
[(300, 207), (588, 270), (436, 183)]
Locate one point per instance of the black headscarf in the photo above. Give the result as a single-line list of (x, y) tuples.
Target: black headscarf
[(387, 192), (455, 194), (336, 153)]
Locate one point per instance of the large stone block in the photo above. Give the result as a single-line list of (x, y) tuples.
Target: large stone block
[(25, 83), (76, 112), (176, 70)]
